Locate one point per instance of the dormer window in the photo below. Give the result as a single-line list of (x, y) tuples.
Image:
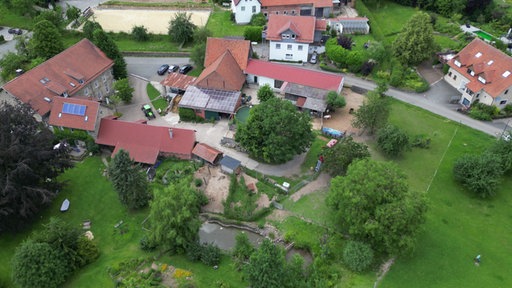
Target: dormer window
[(285, 36), (471, 72), (457, 63), (482, 79)]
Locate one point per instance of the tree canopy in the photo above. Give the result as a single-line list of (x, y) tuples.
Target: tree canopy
[(29, 167), (392, 140), (374, 205), (109, 47), (334, 100), (124, 90), (129, 181), (275, 131), (416, 41), (140, 33), (46, 40), (373, 114), (264, 93), (174, 216), (480, 174), (340, 156), (181, 28)]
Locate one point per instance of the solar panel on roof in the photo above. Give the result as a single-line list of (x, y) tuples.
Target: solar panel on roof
[(73, 109)]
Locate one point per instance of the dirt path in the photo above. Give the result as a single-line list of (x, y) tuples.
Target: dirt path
[(319, 183)]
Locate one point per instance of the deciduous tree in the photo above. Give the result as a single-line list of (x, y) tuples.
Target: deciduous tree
[(373, 114), (89, 28), (266, 266), (197, 55), (392, 140), (265, 93), (374, 205), (124, 90), (480, 174), (29, 167), (275, 131), (46, 40), (334, 100), (109, 47), (181, 28), (174, 217), (416, 41), (140, 33), (358, 256), (340, 156), (129, 181), (243, 249)]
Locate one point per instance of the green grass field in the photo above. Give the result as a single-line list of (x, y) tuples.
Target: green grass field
[(157, 101), (221, 25), (390, 17)]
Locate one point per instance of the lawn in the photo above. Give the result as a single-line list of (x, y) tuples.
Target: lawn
[(9, 18), (221, 25), (157, 101), (312, 207), (390, 17), (313, 153)]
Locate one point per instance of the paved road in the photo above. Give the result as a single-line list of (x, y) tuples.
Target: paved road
[(146, 66)]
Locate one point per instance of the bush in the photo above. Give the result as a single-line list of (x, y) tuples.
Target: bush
[(2, 39), (508, 108), (397, 76), (146, 244), (357, 256), (479, 174), (87, 250), (188, 115), (140, 33), (421, 141), (479, 115), (207, 253), (253, 33), (392, 140), (198, 182), (258, 20)]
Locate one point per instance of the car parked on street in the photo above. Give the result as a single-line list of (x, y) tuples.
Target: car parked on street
[(186, 68), (163, 69), (16, 31), (173, 68)]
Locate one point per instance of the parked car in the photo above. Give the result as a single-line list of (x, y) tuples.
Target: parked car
[(186, 68), (173, 68), (313, 58), (162, 69), (148, 111), (16, 31)]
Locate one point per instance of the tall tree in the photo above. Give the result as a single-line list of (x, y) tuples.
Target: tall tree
[(46, 41), (39, 265), (72, 12), (54, 16), (197, 55), (416, 41), (181, 28), (334, 100), (9, 63), (201, 35), (129, 181), (109, 47), (373, 204), (124, 90), (275, 131), (265, 93), (373, 114), (140, 33), (174, 217), (89, 28), (29, 166), (340, 156), (243, 249), (266, 266)]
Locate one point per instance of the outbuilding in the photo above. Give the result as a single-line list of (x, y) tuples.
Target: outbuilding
[(230, 165)]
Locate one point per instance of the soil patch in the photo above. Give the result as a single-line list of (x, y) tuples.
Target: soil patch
[(216, 187)]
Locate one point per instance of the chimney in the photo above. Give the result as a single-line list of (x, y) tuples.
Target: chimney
[(170, 133)]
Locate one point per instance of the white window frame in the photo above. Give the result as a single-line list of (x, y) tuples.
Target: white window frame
[(289, 47), (278, 46)]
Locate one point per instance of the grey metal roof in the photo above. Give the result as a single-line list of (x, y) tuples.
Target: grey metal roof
[(229, 162), (210, 99), (315, 98)]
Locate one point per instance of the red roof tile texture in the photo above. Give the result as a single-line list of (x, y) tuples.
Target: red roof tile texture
[(145, 142), (83, 61), (177, 80), (292, 74), (316, 3), (302, 26), (61, 119), (488, 63), (206, 152), (320, 25), (215, 47), (223, 74)]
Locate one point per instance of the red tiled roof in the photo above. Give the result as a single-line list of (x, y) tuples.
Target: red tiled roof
[(316, 3), (60, 73), (292, 74), (206, 152), (223, 74), (144, 142), (215, 47), (491, 64), (302, 26), (178, 80), (320, 25), (61, 119)]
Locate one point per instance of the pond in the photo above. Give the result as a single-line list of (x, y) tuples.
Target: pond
[(242, 114), (224, 238)]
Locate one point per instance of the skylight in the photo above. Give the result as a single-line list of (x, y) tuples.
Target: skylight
[(506, 74), (478, 55), (490, 62)]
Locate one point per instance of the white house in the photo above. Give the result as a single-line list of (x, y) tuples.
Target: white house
[(481, 72), (290, 36), (244, 9)]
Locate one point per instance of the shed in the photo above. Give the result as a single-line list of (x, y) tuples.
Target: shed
[(230, 165), (207, 153)]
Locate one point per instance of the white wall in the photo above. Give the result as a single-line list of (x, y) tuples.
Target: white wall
[(281, 54), (244, 17)]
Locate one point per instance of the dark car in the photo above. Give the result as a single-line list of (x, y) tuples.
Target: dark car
[(148, 111), (16, 31), (173, 68), (186, 68), (162, 69)]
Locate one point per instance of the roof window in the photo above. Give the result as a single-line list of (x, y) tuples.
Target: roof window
[(457, 63), (482, 79), (505, 74), (478, 55), (490, 62)]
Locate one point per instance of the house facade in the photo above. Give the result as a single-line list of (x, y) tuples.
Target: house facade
[(481, 73), (244, 9), (290, 36), (81, 70), (315, 8)]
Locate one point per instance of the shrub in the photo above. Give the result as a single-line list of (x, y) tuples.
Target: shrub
[(397, 76), (357, 256), (258, 20), (421, 141), (345, 42), (87, 250), (253, 33), (479, 174), (479, 115), (194, 251), (210, 254), (188, 115), (392, 140), (198, 182), (508, 108), (146, 244), (140, 33), (367, 67), (2, 39)]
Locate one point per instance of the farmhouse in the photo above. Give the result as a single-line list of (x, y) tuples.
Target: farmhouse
[(481, 72), (81, 70)]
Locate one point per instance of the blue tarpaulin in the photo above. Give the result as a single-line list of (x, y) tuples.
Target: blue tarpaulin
[(332, 132)]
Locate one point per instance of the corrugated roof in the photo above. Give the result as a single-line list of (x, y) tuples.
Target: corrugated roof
[(206, 152), (210, 99), (143, 141), (178, 80), (215, 47), (86, 122), (302, 26), (58, 75), (223, 74), (293, 74), (487, 62)]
